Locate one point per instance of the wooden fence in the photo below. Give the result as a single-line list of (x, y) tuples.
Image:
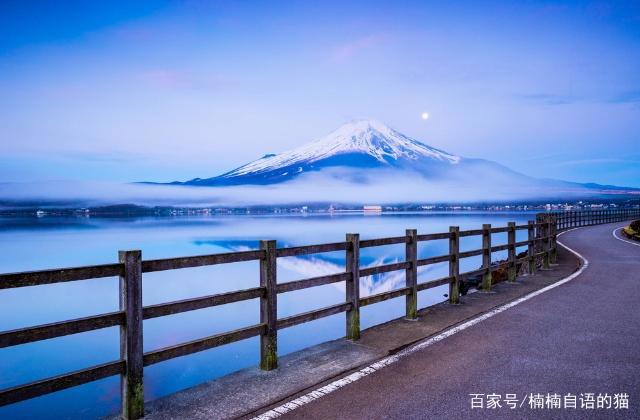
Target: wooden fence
[(573, 219), (540, 244)]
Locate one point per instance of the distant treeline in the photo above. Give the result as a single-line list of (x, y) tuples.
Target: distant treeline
[(137, 210)]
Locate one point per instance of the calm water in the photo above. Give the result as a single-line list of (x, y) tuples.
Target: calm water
[(40, 243)]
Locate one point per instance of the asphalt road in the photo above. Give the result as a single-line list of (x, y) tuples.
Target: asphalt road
[(581, 337)]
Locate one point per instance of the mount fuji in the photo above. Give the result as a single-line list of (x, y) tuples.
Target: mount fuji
[(369, 153), (354, 149)]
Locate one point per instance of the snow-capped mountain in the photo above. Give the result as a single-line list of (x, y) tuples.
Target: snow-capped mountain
[(357, 144), (367, 152), (367, 137)]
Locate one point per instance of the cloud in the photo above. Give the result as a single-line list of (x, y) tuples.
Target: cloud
[(550, 99), (598, 161), (369, 285), (104, 157), (347, 50), (176, 78), (374, 187), (631, 96)]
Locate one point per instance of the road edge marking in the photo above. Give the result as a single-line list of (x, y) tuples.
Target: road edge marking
[(386, 361), (620, 239)]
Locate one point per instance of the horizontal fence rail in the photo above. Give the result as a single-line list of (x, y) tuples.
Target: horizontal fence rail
[(572, 219), (540, 244)]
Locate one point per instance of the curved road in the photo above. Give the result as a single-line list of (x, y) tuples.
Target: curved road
[(580, 337)]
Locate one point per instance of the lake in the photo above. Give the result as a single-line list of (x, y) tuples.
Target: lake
[(51, 242)]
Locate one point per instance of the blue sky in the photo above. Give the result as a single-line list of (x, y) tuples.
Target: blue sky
[(151, 90)]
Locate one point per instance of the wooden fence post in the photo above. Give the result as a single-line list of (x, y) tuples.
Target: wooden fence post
[(511, 240), (531, 250), (454, 264), (352, 286), (131, 350), (411, 273), (269, 306), (486, 257), (553, 258), (546, 231)]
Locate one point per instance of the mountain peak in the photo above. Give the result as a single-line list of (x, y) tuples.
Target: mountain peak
[(376, 139), (364, 137), (362, 126)]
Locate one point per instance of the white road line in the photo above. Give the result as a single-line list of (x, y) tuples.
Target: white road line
[(623, 240), (335, 385)]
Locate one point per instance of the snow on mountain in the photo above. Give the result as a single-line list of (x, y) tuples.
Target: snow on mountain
[(366, 158), (363, 152), (369, 137)]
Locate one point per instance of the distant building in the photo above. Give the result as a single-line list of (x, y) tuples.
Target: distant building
[(376, 209)]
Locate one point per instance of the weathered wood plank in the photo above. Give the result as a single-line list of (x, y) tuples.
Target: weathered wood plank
[(269, 306), (183, 349), (531, 248), (311, 249), (60, 329), (472, 232), (312, 282), (379, 297), (434, 260), (58, 275), (383, 241), (434, 283), (411, 274), (500, 229), (313, 315), (486, 256), (369, 271), (454, 265), (149, 266), (502, 247), (352, 287), (171, 308), (433, 236), (60, 382), (546, 245), (471, 253), (131, 350), (511, 238)]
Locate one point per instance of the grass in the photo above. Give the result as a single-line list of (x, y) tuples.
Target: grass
[(633, 230)]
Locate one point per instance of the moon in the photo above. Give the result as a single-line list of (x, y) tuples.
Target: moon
[(425, 115)]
